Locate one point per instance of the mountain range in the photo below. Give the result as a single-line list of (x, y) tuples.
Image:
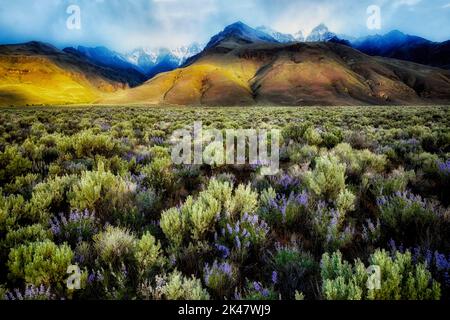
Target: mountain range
[(398, 45), (152, 61), (239, 65)]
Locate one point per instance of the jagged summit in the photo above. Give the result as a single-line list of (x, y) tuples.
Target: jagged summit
[(239, 33), (279, 36), (321, 33)]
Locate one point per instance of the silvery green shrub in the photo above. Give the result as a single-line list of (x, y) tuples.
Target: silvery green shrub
[(330, 227), (292, 267), (404, 215), (397, 180), (108, 196), (40, 263), (26, 235), (197, 218), (401, 279), (220, 278), (148, 254), (359, 161), (175, 286), (159, 175), (12, 210), (49, 196), (327, 180), (115, 246), (13, 163), (88, 144), (345, 201), (174, 224), (202, 215), (244, 200)]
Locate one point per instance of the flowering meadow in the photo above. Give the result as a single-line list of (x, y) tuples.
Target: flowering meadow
[(96, 188)]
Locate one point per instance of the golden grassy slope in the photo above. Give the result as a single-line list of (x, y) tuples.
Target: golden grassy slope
[(37, 73), (37, 80), (295, 74), (214, 80)]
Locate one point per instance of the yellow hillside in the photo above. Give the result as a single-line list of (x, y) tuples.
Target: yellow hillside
[(213, 80), (37, 80)]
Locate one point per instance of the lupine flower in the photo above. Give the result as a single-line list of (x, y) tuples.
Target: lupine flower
[(428, 257), (223, 268), (157, 141), (124, 271), (274, 277), (257, 286), (95, 276), (442, 264), (242, 234), (444, 167), (91, 278), (392, 245), (223, 250), (77, 227), (31, 293), (79, 258), (372, 230), (105, 126), (408, 197), (237, 242), (281, 203), (285, 182)]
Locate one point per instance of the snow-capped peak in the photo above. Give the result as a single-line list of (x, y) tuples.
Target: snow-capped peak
[(320, 33), (155, 60), (240, 31), (280, 37), (185, 52)]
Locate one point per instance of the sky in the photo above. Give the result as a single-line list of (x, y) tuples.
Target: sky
[(124, 25)]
